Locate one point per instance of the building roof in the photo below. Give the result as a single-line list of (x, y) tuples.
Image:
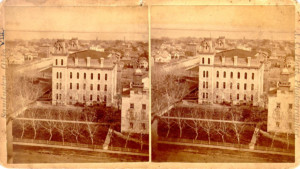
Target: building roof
[(272, 92), (242, 58), (89, 53), (194, 69), (164, 54), (285, 71), (143, 59), (126, 93), (95, 59)]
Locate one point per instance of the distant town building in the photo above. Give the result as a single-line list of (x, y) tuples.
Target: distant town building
[(97, 48), (290, 61), (244, 47), (135, 105), (234, 76), (175, 55), (281, 105), (45, 50), (131, 54), (191, 49), (86, 77), (16, 58), (28, 56), (143, 62), (165, 45), (163, 57)]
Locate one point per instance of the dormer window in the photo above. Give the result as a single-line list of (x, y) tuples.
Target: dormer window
[(131, 105), (278, 105)]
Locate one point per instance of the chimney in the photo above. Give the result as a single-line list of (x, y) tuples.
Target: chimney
[(101, 62), (88, 61), (223, 60), (76, 61), (248, 61), (235, 58)]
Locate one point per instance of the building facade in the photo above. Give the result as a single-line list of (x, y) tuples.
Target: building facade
[(85, 77), (234, 76), (135, 106), (281, 106)]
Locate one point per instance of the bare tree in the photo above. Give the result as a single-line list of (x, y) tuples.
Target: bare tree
[(168, 122), (21, 93), (166, 89), (62, 125), (221, 127), (49, 125), (179, 121), (127, 138), (24, 124), (273, 138), (207, 125), (238, 128), (195, 124), (75, 128), (91, 128), (35, 124)]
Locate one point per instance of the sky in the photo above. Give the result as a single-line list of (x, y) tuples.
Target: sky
[(106, 23), (272, 22)]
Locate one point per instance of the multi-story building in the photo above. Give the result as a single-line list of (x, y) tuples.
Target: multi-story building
[(135, 105), (229, 76), (86, 77), (281, 105)]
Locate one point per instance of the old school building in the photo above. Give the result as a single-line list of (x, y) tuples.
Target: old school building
[(86, 77), (234, 76)]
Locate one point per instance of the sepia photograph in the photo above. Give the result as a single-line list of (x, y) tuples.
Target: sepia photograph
[(222, 84), (149, 84), (77, 84)]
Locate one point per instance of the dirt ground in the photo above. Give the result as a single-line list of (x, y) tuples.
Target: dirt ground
[(27, 154), (206, 155)]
